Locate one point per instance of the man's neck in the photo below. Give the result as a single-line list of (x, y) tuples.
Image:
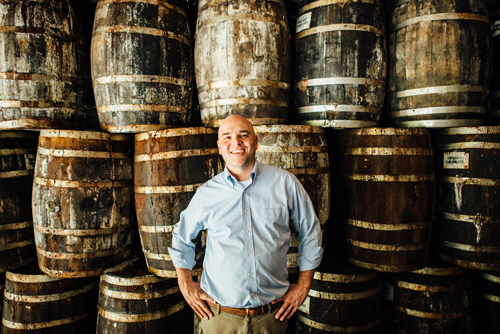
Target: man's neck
[(242, 174)]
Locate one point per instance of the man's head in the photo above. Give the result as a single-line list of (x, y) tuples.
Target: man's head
[(237, 144)]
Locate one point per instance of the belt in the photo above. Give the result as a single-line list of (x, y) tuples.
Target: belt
[(247, 312)]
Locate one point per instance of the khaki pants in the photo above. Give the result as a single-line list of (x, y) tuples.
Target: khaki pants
[(226, 323)]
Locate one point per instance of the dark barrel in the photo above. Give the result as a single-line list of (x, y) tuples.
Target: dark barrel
[(494, 106), (142, 67), (486, 300), (340, 63), (169, 165), (468, 224), (83, 211), (387, 191), (440, 61), (243, 61)]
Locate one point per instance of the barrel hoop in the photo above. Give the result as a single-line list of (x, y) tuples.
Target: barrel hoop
[(151, 2), (425, 288), (389, 248), (287, 128), (155, 256), (339, 123), (113, 279), (467, 218), (48, 298), (470, 181), (140, 317), (292, 149), (322, 3), (390, 132), (482, 130), (23, 278), (387, 151), (488, 277), (138, 296), (430, 315), (439, 90), (17, 151), (69, 106), (212, 3), (491, 298), (17, 76), (437, 110), (341, 278), (244, 82), (176, 132), (167, 189), (308, 171), (176, 154), (172, 273), (82, 154), (292, 260), (83, 135), (242, 17), (471, 248), (81, 232), (248, 101), (304, 83), (79, 256), (14, 245), (440, 17), (81, 184), (41, 325), (440, 123), (399, 3), (340, 27), (140, 78), (345, 296), (16, 226), (141, 107), (156, 229), (338, 329), (60, 33), (391, 178), (142, 31), (338, 108), (388, 227), (465, 145), (16, 173), (439, 271)]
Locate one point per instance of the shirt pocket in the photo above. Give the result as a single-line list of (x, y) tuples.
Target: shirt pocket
[(274, 215)]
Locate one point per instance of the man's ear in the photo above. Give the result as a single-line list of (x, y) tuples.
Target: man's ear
[(218, 147), (256, 142)]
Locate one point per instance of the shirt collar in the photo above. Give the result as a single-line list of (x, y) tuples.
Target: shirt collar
[(232, 181)]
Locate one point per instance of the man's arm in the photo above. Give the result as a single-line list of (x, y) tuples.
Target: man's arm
[(295, 295), (193, 294)]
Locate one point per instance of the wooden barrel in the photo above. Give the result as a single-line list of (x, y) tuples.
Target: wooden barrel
[(17, 162), (341, 63), (439, 63), (40, 83), (301, 150), (83, 212), (494, 106), (37, 303), (435, 299), (388, 188), (486, 301), (242, 57), (134, 301), (142, 67), (169, 165), (343, 299), (468, 224)]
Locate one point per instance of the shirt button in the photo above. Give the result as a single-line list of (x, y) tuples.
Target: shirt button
[(249, 253), (248, 231), (253, 293), (251, 274), (246, 211), (244, 191)]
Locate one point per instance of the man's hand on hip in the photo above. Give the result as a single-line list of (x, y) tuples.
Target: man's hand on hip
[(295, 295), (193, 294)]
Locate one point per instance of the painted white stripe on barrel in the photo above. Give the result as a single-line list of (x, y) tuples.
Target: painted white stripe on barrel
[(322, 3), (383, 247), (325, 277), (16, 226), (179, 132), (431, 315), (155, 256), (482, 130), (426, 288), (338, 108), (48, 298), (167, 189), (439, 271), (340, 123), (177, 154), (160, 4), (467, 218), (292, 149), (488, 277), (140, 317), (17, 151), (440, 17), (471, 248), (172, 273), (138, 296), (438, 90), (345, 296), (84, 135), (388, 227), (14, 245), (480, 145), (81, 232), (241, 17), (437, 110), (440, 123), (387, 151), (288, 128), (88, 255), (142, 31), (470, 181), (302, 84), (42, 325), (391, 178), (251, 101), (157, 229), (130, 281), (16, 173), (141, 107), (338, 329), (81, 184), (340, 27), (491, 298), (140, 78), (24, 278), (244, 82), (82, 154)]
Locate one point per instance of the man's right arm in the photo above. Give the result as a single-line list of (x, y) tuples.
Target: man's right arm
[(193, 294)]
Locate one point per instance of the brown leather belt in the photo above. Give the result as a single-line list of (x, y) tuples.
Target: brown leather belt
[(248, 312)]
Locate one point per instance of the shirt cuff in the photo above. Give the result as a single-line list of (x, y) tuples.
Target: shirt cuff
[(180, 260), (310, 261)]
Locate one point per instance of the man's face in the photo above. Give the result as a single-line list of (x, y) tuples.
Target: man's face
[(237, 143)]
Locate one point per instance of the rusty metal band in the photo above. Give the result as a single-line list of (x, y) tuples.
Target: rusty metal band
[(79, 256), (322, 3), (491, 298), (338, 329), (345, 296), (340, 123), (141, 107), (138, 296), (439, 90), (482, 130), (246, 101), (470, 181), (128, 317), (20, 77), (175, 132), (467, 218), (426, 288), (254, 120), (82, 154), (167, 189), (212, 3), (488, 277), (467, 145), (23, 278), (16, 226), (37, 104), (176, 154), (439, 271), (141, 30), (42, 325), (338, 108), (339, 278), (440, 17), (81, 184), (391, 178), (285, 128), (391, 132), (441, 123), (303, 84), (14, 245), (157, 229), (242, 17), (84, 135), (161, 4), (243, 82), (18, 151), (388, 227), (155, 256), (112, 79), (82, 232), (340, 27), (381, 267), (308, 171), (49, 298), (387, 151), (292, 149), (470, 264), (471, 248), (389, 248), (438, 110), (111, 278), (59, 33), (172, 273), (16, 173), (431, 315)]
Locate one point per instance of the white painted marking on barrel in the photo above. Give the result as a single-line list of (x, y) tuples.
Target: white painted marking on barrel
[(141, 317), (425, 288), (345, 296), (138, 296), (16, 173), (42, 325), (49, 298), (340, 27), (167, 189), (440, 17), (437, 110), (431, 315), (439, 90)]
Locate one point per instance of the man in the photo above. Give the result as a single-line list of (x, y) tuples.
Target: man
[(246, 211)]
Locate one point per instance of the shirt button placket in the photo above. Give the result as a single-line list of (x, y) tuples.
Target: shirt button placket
[(247, 225)]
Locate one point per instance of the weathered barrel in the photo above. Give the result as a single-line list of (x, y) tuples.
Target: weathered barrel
[(169, 165), (142, 67), (17, 162), (40, 78), (242, 57), (37, 303), (440, 63), (468, 224), (486, 301), (341, 63), (301, 150), (387, 185), (494, 106), (134, 301), (83, 211), (434, 299)]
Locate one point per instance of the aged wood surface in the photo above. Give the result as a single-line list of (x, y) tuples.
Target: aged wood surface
[(486, 301), (142, 67), (494, 106), (83, 212), (341, 63), (243, 61)]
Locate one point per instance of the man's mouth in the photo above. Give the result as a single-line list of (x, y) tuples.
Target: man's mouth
[(237, 151)]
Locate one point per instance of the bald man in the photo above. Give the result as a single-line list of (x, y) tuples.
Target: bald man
[(246, 211)]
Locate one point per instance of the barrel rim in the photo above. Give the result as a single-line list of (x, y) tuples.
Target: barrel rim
[(83, 135), (174, 132)]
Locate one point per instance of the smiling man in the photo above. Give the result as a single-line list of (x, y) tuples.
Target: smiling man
[(246, 211)]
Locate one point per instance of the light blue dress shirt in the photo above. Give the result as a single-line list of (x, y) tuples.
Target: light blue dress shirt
[(248, 235)]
